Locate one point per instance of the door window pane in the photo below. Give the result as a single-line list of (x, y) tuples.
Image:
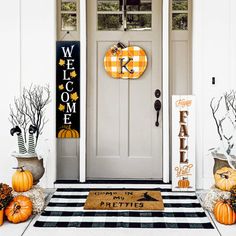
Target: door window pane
[(139, 5), (114, 15), (68, 6), (180, 5), (109, 22), (179, 21), (108, 5), (139, 21), (68, 21)]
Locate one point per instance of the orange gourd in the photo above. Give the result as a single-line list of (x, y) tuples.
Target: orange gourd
[(224, 213), (225, 178), (183, 183), (22, 180), (1, 216), (68, 133), (19, 209)]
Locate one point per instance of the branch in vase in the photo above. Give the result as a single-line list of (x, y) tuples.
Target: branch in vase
[(214, 110)]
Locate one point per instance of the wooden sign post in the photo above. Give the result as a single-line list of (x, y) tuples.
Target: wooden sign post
[(183, 143)]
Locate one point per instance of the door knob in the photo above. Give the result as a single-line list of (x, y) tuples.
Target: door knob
[(157, 106)]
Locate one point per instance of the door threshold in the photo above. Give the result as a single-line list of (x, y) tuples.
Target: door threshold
[(111, 181), (111, 184)]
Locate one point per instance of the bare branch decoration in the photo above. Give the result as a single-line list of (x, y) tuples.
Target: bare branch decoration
[(225, 113), (30, 109), (214, 110)]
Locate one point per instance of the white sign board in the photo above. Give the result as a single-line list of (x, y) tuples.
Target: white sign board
[(183, 143)]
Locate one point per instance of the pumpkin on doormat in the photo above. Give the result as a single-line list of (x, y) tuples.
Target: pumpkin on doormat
[(224, 213), (225, 178), (22, 180), (121, 62), (19, 209)]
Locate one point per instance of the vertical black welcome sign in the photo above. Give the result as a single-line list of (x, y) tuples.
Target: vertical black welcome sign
[(68, 89)]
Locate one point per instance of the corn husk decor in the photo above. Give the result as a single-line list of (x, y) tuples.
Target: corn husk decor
[(37, 196), (214, 195)]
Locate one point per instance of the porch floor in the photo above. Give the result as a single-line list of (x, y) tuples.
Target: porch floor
[(27, 229)]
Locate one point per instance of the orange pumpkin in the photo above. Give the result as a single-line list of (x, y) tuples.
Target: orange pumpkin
[(225, 178), (19, 209), (125, 62), (183, 183), (22, 180), (224, 213), (68, 133), (1, 216)]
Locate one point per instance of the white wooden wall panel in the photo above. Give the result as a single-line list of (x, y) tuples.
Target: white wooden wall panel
[(213, 56), (38, 36), (10, 81), (232, 45), (216, 52)]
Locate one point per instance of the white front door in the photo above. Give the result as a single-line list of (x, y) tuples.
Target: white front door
[(123, 141)]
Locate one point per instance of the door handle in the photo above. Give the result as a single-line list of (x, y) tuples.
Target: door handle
[(157, 106)]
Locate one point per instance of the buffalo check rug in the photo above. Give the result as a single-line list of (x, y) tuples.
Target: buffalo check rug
[(181, 210)]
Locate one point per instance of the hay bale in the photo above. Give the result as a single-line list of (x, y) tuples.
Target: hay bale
[(36, 195), (212, 196)]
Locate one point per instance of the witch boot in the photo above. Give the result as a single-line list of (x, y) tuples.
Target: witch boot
[(31, 145), (21, 145)]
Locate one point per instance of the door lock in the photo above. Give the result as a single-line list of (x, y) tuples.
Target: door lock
[(157, 105)]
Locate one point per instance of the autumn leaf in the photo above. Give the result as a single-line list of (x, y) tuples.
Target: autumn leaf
[(61, 87), (74, 96), (62, 62), (73, 74), (61, 107)]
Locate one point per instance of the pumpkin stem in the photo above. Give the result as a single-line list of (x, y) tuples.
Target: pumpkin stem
[(21, 168), (16, 208)]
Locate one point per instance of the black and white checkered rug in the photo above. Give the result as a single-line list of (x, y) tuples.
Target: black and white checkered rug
[(182, 210)]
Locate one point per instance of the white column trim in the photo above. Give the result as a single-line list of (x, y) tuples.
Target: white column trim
[(83, 90), (165, 91)]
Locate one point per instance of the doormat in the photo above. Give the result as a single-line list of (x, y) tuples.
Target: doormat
[(182, 210), (124, 200)]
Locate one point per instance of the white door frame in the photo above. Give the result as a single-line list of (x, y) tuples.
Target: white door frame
[(165, 90)]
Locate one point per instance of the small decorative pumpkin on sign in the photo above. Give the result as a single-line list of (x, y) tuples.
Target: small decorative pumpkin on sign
[(122, 62), (68, 133), (224, 213), (183, 183), (19, 209), (22, 180), (225, 178)]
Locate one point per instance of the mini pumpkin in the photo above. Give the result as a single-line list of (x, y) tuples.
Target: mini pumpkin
[(225, 178), (183, 183), (19, 209), (22, 180), (68, 133), (224, 213)]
